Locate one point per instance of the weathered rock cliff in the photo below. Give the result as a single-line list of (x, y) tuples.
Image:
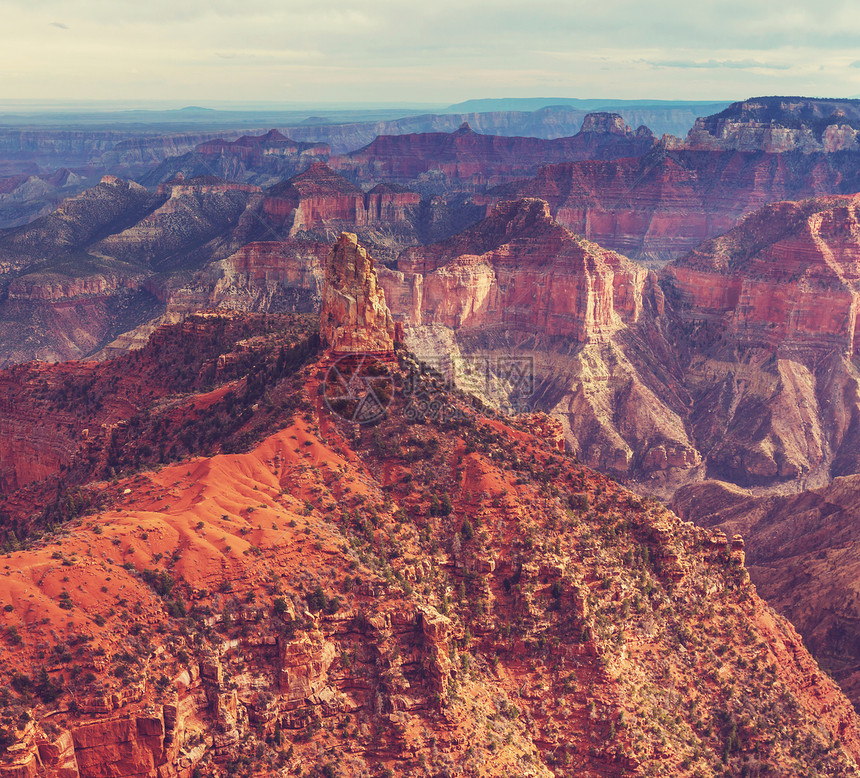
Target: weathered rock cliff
[(778, 124), (529, 315), (467, 160), (768, 314), (354, 317), (319, 200), (659, 206)]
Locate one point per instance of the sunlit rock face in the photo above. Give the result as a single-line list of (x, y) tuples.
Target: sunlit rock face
[(354, 316)]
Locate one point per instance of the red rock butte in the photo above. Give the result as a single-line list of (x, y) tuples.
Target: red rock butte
[(354, 318)]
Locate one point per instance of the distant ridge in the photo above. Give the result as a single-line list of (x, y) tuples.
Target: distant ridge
[(536, 103)]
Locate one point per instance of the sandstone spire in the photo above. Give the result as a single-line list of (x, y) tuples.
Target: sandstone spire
[(354, 316)]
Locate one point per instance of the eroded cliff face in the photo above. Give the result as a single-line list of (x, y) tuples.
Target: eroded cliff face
[(769, 313), (354, 317), (803, 555), (746, 375), (661, 205), (108, 261), (520, 269), (519, 292), (303, 604), (779, 124), (319, 203)]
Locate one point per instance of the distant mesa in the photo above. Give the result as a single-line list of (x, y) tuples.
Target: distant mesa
[(780, 124)]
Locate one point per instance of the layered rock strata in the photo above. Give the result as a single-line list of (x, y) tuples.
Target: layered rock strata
[(354, 317), (657, 207), (465, 159)]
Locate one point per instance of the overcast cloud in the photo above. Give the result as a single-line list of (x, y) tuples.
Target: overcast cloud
[(444, 51)]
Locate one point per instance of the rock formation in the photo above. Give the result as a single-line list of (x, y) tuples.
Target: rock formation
[(296, 602), (319, 199), (467, 160), (779, 124), (262, 160), (804, 556), (586, 323), (24, 198), (354, 318), (518, 268), (768, 313), (656, 207)]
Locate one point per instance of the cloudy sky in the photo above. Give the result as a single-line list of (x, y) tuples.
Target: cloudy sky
[(433, 51)]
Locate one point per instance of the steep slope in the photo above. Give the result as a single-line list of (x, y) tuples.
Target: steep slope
[(525, 313), (420, 596), (24, 198), (318, 203), (769, 314), (113, 263), (467, 160), (64, 424), (354, 318), (659, 206), (199, 219), (80, 221), (803, 555), (73, 281)]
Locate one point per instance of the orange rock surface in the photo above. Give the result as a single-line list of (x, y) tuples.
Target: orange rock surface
[(354, 317), (453, 593)]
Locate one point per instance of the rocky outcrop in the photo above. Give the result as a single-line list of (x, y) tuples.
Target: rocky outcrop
[(320, 200), (780, 124), (529, 316), (769, 313), (518, 268), (803, 556), (354, 317)]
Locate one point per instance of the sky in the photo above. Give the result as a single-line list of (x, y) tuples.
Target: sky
[(433, 51)]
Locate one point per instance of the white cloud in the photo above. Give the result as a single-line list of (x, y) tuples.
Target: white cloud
[(442, 51)]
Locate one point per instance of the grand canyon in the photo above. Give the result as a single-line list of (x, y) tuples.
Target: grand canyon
[(484, 443)]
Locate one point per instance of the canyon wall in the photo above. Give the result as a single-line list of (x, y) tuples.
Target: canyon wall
[(659, 206), (467, 160), (779, 124)]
